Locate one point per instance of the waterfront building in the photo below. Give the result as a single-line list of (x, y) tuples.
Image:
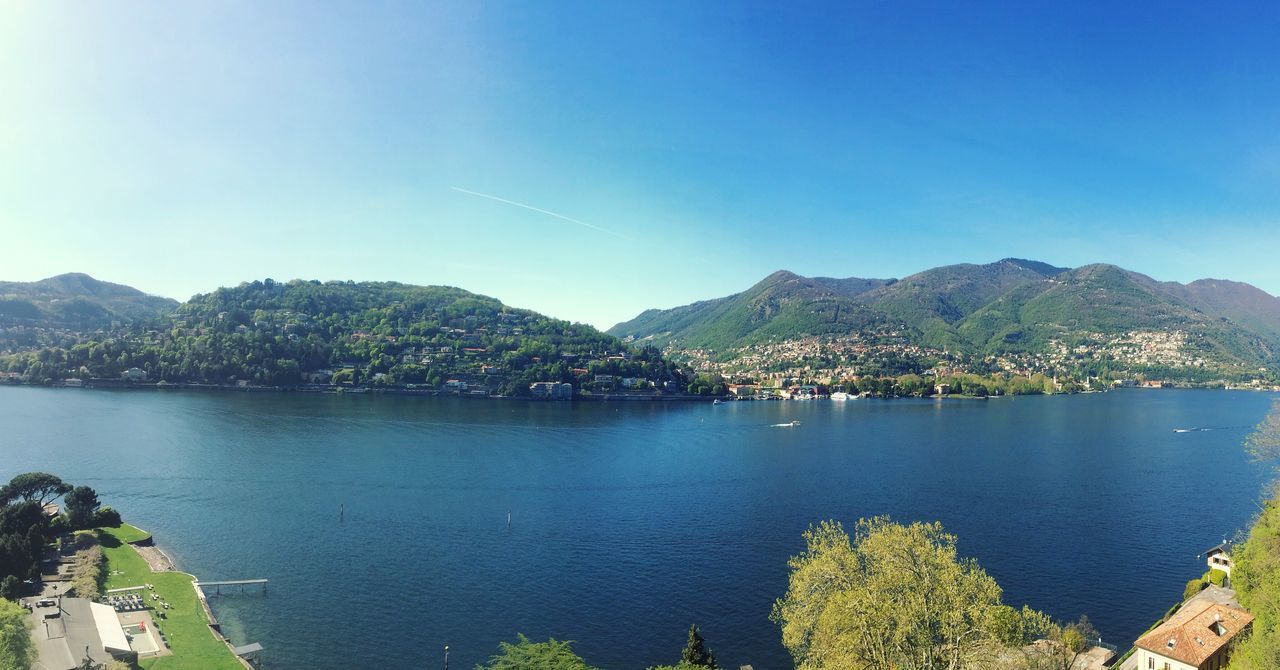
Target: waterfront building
[(551, 390), (1196, 637), (1219, 557)]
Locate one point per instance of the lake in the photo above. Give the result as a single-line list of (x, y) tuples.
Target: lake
[(631, 521)]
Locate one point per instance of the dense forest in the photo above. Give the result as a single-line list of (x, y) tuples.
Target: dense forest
[(362, 334)]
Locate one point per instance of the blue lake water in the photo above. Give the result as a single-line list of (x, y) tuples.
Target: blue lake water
[(631, 521)]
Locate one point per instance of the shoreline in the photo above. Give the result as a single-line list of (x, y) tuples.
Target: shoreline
[(160, 562), (117, 385)]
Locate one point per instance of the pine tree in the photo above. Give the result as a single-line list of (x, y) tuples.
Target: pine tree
[(696, 651)]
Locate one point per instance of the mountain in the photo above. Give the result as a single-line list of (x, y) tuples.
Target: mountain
[(780, 305), (270, 333), (1009, 306), (77, 301), (935, 300)]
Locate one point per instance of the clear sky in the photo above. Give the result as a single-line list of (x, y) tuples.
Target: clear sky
[(590, 160)]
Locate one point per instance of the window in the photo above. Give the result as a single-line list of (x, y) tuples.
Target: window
[(1151, 663)]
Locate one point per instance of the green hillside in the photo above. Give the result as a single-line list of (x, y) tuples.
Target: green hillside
[(778, 307), (1010, 306), (77, 301), (368, 334), (934, 301)]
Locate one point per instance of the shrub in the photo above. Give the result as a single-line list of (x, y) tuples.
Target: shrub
[(1217, 577), (10, 588), (86, 571), (108, 516), (1193, 587)]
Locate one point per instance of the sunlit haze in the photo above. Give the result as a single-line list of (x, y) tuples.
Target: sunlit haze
[(593, 160)]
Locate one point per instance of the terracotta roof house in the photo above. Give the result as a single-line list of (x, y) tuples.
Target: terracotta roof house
[(1196, 637)]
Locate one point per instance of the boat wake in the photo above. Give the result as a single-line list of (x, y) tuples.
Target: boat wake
[(1195, 430)]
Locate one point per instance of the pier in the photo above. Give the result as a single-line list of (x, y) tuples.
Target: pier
[(233, 582)]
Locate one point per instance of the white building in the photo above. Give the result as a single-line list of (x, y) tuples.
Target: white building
[(551, 390), (1219, 558)]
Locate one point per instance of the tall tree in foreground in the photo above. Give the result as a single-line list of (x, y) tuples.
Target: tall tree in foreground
[(16, 648), (895, 597), (525, 655), (696, 652), (41, 487), (82, 507)]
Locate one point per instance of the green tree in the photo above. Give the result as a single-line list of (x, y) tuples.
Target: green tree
[(892, 597), (525, 655), (41, 487), (1263, 443), (696, 651), (1256, 577), (16, 648), (82, 507)]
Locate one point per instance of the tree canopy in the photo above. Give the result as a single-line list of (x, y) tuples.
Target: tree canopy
[(41, 487), (525, 655), (366, 333), (696, 652), (895, 596), (1256, 578), (82, 507), (16, 647), (1263, 443)]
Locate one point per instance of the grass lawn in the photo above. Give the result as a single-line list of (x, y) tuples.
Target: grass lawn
[(193, 646), (127, 533)]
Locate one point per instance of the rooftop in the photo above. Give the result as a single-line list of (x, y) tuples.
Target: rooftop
[(1196, 631)]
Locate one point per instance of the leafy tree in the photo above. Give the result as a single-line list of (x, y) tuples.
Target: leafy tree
[(696, 651), (10, 587), (16, 647), (82, 507), (1256, 578), (892, 597), (525, 655), (1263, 443), (41, 487)]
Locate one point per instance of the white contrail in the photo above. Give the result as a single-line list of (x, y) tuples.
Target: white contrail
[(538, 210)]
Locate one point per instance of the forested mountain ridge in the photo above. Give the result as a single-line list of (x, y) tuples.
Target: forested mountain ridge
[(1012, 307), (777, 307), (79, 301), (366, 334)]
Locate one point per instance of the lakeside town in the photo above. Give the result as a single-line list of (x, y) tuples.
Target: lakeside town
[(1152, 359)]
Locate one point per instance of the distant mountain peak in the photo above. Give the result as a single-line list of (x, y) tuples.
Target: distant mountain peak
[(1036, 266), (1013, 304), (79, 300)]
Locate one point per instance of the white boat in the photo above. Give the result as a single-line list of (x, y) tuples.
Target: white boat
[(840, 395)]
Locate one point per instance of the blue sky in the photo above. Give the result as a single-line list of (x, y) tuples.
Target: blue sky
[(664, 153)]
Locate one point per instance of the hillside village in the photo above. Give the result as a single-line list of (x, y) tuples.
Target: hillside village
[(1095, 362)]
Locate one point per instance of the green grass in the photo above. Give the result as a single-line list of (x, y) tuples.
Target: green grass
[(193, 646), (126, 533)]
